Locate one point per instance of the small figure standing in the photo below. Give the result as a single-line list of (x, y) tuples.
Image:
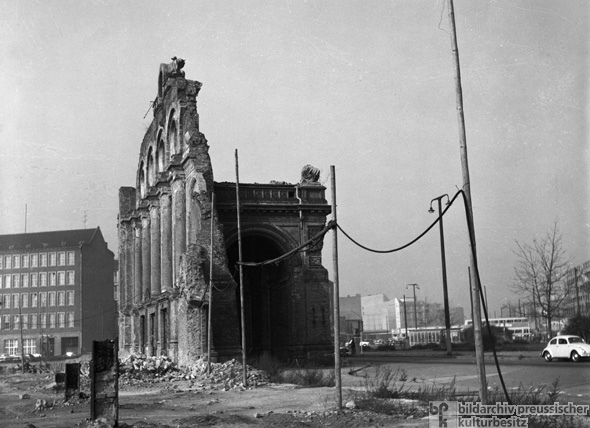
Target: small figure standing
[(352, 347)]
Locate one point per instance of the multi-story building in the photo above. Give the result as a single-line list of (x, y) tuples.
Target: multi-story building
[(578, 284), (57, 292)]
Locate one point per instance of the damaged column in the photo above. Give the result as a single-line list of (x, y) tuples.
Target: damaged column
[(145, 256), (166, 242), (155, 247), (179, 223)]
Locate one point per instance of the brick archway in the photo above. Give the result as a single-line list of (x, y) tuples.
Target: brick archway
[(267, 312)]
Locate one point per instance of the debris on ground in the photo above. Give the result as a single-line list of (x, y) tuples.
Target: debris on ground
[(138, 370)]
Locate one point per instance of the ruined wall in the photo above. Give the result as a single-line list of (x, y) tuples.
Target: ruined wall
[(165, 243)]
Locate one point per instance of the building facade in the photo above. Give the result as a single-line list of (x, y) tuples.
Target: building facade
[(57, 289), (578, 299), (173, 241)]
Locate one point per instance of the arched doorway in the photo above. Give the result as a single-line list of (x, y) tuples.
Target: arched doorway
[(266, 295)]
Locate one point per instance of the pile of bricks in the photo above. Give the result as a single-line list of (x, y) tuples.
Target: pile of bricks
[(139, 369)]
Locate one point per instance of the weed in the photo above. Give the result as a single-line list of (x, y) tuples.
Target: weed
[(271, 366), (309, 377)]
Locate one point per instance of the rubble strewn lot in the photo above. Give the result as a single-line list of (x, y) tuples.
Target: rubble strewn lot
[(154, 392)]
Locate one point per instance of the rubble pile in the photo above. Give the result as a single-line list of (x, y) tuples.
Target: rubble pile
[(139, 370)]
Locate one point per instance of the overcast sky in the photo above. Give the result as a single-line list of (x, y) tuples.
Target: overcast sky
[(366, 86)]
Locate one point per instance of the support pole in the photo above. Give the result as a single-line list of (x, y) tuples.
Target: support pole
[(479, 355), (241, 268), (22, 342), (337, 374), (405, 317), (444, 278), (209, 328)]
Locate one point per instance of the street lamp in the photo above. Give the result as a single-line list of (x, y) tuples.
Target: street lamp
[(444, 269), (415, 312)]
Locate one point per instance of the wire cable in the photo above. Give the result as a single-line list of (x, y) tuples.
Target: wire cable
[(409, 243), (331, 224)]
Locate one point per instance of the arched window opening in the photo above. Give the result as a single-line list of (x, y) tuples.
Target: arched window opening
[(161, 156), (193, 213), (151, 169), (173, 143), (142, 181)]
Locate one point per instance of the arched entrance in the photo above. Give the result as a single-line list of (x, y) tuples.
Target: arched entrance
[(266, 291)]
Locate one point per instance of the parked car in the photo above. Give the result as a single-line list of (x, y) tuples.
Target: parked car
[(9, 358), (379, 342), (572, 347), (33, 357), (365, 343)]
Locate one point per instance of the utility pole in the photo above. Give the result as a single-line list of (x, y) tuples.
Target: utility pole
[(209, 327), (337, 374), (479, 355), (405, 317), (444, 271), (241, 269), (22, 342)]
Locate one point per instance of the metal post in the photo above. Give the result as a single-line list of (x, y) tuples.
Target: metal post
[(241, 269), (22, 342), (336, 295), (444, 272), (470, 293), (405, 317), (479, 355), (209, 328)]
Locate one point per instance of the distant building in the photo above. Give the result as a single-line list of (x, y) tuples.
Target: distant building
[(578, 299), (378, 314), (351, 320), (57, 286)]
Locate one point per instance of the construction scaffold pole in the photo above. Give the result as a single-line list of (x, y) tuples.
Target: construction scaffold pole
[(241, 269), (477, 328), (336, 295), (209, 327)]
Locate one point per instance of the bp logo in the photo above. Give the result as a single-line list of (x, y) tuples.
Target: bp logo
[(442, 414)]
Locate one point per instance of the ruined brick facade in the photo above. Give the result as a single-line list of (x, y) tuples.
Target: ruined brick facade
[(164, 248)]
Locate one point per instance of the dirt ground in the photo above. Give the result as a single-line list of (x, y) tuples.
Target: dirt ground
[(182, 404)]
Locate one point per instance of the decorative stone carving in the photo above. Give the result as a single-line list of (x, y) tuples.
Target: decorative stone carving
[(310, 175), (172, 69)]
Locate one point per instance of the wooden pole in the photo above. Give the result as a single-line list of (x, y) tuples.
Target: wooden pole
[(479, 355), (337, 374), (209, 327), (22, 342), (241, 268)]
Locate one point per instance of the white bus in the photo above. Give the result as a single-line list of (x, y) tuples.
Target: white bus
[(519, 326)]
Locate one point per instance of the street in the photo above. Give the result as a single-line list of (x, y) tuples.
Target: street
[(528, 371)]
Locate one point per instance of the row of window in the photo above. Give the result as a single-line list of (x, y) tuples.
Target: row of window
[(35, 321), (11, 346), (38, 279), (43, 299), (18, 261)]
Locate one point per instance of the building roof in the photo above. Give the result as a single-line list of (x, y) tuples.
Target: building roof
[(53, 239)]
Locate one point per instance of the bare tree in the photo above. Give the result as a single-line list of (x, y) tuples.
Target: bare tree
[(540, 273)]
